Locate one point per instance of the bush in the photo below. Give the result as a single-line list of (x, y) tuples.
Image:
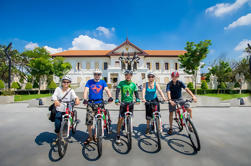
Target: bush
[(15, 85), (28, 86), (204, 85), (7, 93), (190, 85), (52, 85), (2, 84)]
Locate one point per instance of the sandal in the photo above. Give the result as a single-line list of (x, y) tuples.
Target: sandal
[(94, 138), (170, 131), (88, 140)]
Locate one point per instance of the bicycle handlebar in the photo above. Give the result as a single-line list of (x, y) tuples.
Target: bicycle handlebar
[(156, 102)]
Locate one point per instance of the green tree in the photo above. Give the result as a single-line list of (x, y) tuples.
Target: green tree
[(191, 60), (2, 84), (190, 85), (204, 85), (60, 68), (223, 72), (52, 85), (15, 85), (40, 64), (18, 66), (28, 86)]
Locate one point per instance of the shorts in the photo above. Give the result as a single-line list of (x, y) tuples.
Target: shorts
[(149, 108), (181, 102), (123, 109), (90, 114)]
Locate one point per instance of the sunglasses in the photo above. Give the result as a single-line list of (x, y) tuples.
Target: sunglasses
[(151, 77), (97, 74), (66, 82)]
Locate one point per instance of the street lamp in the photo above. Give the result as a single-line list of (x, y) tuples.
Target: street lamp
[(7, 49)]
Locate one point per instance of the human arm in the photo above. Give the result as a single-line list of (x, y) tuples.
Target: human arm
[(143, 93)]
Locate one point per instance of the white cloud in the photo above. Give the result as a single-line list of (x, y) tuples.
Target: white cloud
[(105, 31), (221, 9), (242, 21), (242, 45), (84, 42), (31, 46), (53, 50)]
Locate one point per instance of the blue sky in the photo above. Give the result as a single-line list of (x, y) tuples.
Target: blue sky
[(150, 24)]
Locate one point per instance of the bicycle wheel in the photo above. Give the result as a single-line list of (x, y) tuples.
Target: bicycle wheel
[(108, 123), (129, 132), (74, 122), (193, 135), (99, 136), (62, 141), (157, 125)]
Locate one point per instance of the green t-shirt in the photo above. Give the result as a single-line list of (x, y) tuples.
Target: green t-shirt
[(127, 89)]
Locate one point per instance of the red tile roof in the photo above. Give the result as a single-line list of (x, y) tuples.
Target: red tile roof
[(102, 53)]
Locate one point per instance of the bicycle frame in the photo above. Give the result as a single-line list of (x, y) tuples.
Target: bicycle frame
[(127, 114), (67, 117), (183, 115), (155, 113)]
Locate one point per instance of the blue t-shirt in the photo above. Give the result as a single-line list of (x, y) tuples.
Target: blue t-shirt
[(175, 89), (96, 90)]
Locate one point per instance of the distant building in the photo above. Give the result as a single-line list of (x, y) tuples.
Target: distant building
[(161, 62)]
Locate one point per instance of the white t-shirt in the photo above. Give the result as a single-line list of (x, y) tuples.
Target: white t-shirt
[(59, 94)]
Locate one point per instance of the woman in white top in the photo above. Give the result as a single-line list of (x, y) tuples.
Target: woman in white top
[(59, 93)]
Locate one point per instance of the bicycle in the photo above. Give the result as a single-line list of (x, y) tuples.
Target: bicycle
[(183, 119), (102, 121), (156, 123), (127, 125), (69, 121)]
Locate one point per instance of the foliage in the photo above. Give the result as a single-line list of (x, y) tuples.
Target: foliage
[(191, 60), (190, 85), (15, 85), (52, 85), (60, 68), (2, 86), (204, 85), (28, 86)]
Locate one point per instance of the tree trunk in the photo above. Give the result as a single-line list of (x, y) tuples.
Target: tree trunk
[(195, 81), (39, 84)]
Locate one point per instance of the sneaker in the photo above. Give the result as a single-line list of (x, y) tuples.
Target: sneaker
[(118, 139)]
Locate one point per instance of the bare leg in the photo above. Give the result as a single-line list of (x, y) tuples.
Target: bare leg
[(89, 127), (171, 119), (189, 110), (120, 120), (147, 124)]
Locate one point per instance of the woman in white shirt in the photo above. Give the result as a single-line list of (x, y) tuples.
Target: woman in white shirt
[(59, 93)]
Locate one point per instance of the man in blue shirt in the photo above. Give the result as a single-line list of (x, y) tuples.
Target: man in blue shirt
[(173, 90), (95, 87)]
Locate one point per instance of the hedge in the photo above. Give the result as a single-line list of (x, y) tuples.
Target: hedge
[(223, 91)]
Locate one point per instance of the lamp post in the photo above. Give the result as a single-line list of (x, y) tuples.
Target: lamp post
[(6, 50)]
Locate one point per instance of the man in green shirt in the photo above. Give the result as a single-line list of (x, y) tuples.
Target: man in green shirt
[(127, 88)]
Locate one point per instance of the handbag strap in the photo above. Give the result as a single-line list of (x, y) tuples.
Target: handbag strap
[(65, 95)]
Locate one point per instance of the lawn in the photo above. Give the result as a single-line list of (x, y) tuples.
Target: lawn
[(29, 97), (227, 96)]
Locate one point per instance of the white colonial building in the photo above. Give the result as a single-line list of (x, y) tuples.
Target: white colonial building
[(161, 62)]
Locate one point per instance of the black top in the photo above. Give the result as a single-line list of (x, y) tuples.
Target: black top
[(175, 89)]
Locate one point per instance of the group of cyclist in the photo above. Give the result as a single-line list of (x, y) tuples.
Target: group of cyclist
[(128, 89)]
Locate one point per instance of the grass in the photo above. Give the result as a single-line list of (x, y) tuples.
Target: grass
[(29, 97), (227, 96)]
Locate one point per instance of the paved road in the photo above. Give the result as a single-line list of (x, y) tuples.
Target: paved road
[(225, 134)]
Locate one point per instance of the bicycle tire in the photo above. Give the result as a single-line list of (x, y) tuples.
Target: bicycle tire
[(74, 122), (99, 137), (62, 141), (108, 123), (129, 132), (157, 125), (178, 121), (194, 131)]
